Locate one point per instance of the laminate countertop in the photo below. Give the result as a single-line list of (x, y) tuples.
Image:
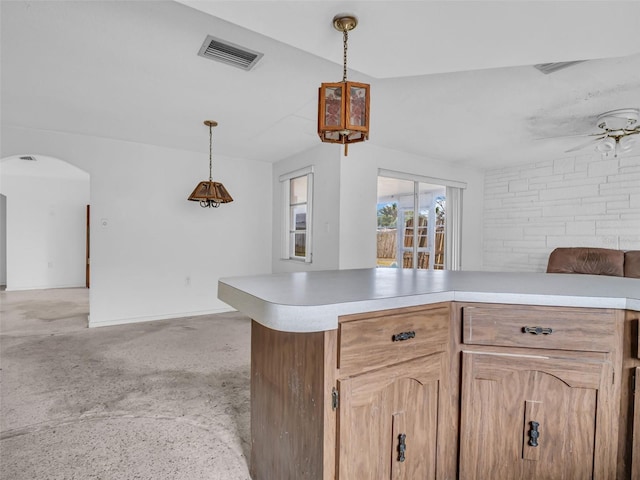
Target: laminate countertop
[(313, 301)]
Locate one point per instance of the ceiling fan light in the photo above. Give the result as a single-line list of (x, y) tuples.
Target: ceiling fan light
[(626, 143), (607, 145)]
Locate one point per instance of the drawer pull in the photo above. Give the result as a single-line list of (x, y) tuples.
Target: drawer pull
[(537, 330), (399, 337), (534, 434), (402, 446)]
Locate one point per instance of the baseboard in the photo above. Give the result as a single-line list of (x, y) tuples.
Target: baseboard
[(151, 318), (46, 287)]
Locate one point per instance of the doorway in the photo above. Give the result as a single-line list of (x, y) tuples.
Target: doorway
[(87, 259), (45, 234), (3, 242), (411, 224)]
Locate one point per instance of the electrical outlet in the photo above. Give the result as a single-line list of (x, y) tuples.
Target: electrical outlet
[(187, 281), (50, 264)]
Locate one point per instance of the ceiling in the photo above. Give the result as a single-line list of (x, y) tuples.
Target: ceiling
[(450, 80), (42, 166)]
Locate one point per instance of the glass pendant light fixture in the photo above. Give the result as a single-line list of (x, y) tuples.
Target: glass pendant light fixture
[(607, 145), (618, 145), (626, 143), (343, 107), (210, 193)]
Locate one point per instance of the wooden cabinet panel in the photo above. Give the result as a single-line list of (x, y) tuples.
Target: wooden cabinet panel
[(628, 421), (576, 329), (367, 342), (287, 404), (568, 398), (377, 408), (635, 435)]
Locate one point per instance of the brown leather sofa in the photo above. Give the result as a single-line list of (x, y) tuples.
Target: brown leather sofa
[(595, 261)]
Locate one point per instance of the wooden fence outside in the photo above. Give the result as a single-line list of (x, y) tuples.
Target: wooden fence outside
[(387, 241)]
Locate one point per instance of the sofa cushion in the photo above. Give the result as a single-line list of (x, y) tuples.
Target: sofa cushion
[(593, 261), (632, 264)]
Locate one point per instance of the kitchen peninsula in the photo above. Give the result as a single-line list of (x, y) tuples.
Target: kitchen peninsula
[(401, 374)]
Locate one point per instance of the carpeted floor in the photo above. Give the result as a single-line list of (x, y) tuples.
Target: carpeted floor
[(157, 400)]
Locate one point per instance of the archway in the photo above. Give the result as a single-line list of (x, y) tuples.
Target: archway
[(45, 222)]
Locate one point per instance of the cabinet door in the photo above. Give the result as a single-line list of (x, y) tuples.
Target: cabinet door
[(388, 422), (635, 435), (534, 417)]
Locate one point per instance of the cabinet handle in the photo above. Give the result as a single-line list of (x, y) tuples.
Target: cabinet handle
[(534, 434), (399, 337), (402, 446), (537, 330)]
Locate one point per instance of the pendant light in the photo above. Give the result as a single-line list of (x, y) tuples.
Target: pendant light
[(210, 193), (343, 107)]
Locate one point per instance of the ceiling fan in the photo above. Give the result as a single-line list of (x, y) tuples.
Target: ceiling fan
[(617, 135)]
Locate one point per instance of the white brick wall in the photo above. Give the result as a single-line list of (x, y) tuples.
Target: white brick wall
[(583, 201)]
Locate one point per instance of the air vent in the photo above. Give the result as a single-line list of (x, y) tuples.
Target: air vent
[(28, 158), (548, 68), (229, 53)]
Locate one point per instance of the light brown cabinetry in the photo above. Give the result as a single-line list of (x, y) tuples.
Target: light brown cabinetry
[(532, 418), (629, 424), (449, 391), (392, 386), (635, 436), (539, 392), (388, 422), (346, 404)]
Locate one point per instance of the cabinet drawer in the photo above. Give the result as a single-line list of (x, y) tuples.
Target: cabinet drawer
[(556, 328), (377, 339)]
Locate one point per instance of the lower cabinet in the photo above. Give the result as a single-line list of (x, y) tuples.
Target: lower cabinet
[(634, 441), (450, 391), (388, 422), (534, 417), (540, 392)]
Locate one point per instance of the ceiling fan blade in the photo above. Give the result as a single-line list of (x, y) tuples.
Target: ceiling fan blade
[(593, 141), (572, 136)]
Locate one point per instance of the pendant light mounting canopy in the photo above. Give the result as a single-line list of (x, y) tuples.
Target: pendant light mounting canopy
[(210, 193), (345, 22)]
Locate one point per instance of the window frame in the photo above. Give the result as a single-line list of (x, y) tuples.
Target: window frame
[(287, 251), (453, 219)]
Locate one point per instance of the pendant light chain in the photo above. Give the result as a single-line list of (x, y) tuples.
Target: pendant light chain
[(345, 37), (210, 157)]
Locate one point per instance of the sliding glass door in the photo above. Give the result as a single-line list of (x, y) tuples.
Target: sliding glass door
[(407, 239)]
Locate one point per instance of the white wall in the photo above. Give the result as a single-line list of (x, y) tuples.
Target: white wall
[(353, 204), (358, 207), (46, 223), (326, 209), (154, 254), (570, 202), (359, 187)]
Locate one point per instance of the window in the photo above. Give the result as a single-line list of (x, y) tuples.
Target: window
[(297, 189), (420, 241)]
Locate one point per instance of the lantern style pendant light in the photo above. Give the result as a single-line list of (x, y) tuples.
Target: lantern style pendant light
[(210, 194), (343, 107)]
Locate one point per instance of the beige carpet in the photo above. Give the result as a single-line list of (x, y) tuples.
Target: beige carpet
[(157, 400)]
